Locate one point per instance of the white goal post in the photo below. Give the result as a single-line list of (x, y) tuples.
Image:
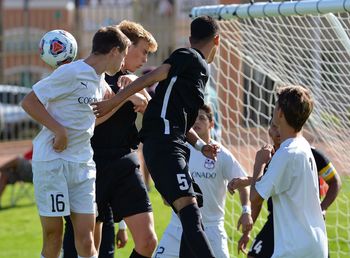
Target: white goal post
[(268, 44)]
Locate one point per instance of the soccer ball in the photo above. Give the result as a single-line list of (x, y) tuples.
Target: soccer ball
[(58, 47)]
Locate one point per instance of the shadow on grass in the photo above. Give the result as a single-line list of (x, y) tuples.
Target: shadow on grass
[(17, 206)]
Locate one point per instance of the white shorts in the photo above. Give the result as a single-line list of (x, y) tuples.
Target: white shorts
[(62, 187), (169, 245), (218, 240)]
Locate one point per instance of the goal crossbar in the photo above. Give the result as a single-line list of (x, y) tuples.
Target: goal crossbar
[(272, 9)]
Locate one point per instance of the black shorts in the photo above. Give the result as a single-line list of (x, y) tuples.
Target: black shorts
[(263, 244), (119, 185), (167, 162)]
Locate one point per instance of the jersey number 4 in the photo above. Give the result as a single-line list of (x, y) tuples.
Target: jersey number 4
[(256, 247), (57, 204)]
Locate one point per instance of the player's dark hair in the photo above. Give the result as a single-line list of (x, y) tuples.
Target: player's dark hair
[(296, 104), (107, 38), (203, 28), (208, 111)]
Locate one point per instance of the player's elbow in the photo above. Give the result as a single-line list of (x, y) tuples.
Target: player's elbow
[(338, 181), (335, 184)]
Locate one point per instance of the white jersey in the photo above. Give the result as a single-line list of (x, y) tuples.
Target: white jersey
[(292, 182), (67, 94), (213, 177)]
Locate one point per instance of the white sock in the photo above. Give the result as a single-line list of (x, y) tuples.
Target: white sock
[(94, 256), (42, 256)]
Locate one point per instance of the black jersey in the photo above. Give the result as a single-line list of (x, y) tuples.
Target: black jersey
[(325, 168), (269, 201), (119, 132), (174, 107)]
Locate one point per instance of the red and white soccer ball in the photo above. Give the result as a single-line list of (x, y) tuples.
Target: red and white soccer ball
[(58, 47)]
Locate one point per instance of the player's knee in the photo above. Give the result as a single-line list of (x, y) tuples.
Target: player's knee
[(147, 244), (85, 243), (52, 240)]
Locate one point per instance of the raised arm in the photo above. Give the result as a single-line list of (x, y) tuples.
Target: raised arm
[(157, 75), (209, 150), (38, 112), (263, 156)]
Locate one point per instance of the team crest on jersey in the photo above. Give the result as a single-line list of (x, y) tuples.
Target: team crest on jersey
[(209, 164)]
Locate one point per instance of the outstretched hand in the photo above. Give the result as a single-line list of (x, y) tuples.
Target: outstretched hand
[(210, 151), (239, 182), (103, 107), (140, 102), (242, 243), (125, 80)]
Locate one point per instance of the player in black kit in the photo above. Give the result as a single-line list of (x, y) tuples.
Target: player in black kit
[(119, 184), (167, 125)]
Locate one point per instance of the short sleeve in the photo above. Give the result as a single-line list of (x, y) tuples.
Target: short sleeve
[(179, 60), (231, 167), (55, 86), (276, 179)]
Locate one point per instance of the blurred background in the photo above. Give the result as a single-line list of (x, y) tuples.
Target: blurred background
[(24, 22)]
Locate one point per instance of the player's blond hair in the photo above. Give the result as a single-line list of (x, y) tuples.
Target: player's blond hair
[(135, 32)]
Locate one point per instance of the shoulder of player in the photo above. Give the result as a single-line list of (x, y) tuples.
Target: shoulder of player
[(318, 154), (294, 146), (186, 52), (67, 71), (223, 151)]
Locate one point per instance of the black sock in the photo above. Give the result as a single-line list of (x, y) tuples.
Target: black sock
[(185, 250), (193, 233), (135, 254)]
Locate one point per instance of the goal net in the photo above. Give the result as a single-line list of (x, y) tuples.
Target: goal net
[(264, 46)]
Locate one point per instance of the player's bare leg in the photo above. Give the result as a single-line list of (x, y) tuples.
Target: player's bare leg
[(141, 227), (52, 236), (98, 235), (83, 225), (183, 202)]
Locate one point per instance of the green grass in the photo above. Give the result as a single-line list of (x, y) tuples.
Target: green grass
[(20, 230)]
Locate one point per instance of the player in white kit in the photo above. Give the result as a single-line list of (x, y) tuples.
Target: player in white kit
[(291, 180), (63, 169), (212, 177)]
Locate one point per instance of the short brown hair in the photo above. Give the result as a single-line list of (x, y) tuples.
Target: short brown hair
[(209, 112), (135, 32), (107, 38), (296, 104)]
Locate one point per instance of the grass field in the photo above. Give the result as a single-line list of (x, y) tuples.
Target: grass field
[(20, 231)]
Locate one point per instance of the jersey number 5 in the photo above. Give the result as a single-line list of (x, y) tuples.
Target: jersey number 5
[(183, 184)]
